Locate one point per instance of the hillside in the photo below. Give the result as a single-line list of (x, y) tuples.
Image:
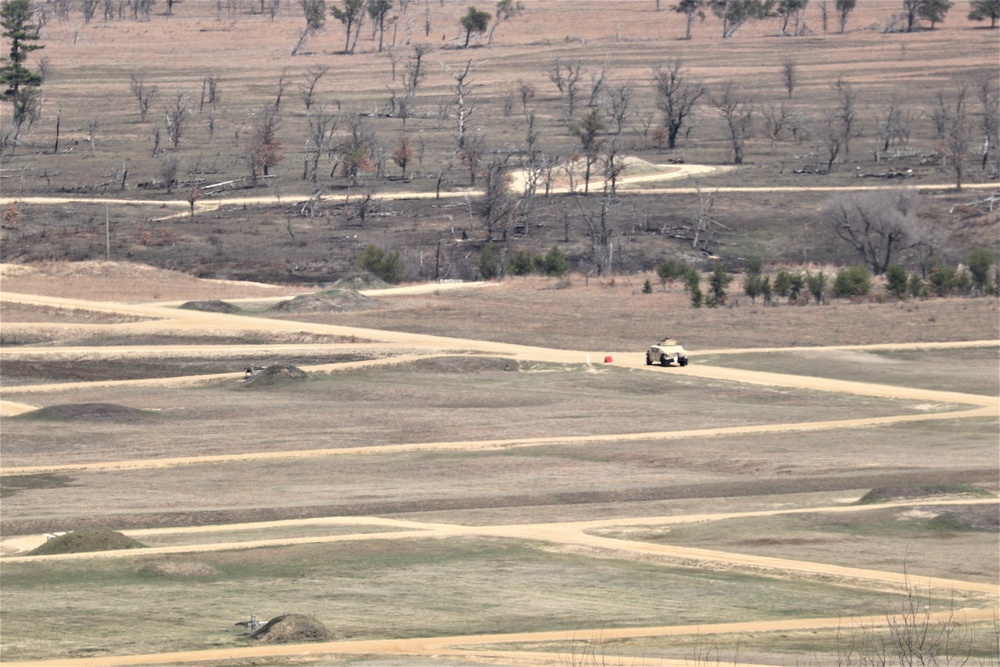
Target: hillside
[(358, 154)]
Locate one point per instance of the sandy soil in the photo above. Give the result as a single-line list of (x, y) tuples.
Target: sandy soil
[(158, 317)]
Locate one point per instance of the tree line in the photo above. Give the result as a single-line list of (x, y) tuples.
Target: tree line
[(977, 277)]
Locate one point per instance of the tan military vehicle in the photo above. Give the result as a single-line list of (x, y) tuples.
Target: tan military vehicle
[(667, 352)]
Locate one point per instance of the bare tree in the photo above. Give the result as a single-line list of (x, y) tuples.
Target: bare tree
[(619, 104), (176, 114), (143, 94), (676, 97), (210, 92), (322, 125), (403, 154), (600, 230), (92, 127), (789, 75), (357, 151), (283, 82), (263, 150), (878, 224), (533, 166), (738, 111), (846, 113), (989, 97), (911, 635), (527, 92), (776, 121), (308, 89), (364, 206), (892, 127), (614, 167), (471, 154), (498, 206), (956, 139), (414, 68), (168, 172), (597, 82), (704, 222), (565, 74), (463, 95)]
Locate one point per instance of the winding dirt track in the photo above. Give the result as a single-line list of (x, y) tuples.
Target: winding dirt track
[(161, 318), (626, 183)]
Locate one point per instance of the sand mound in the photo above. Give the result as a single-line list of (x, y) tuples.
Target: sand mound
[(276, 376), (87, 540), (88, 411), (291, 628)]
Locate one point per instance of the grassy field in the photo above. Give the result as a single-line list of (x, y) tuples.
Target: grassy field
[(447, 443), (480, 586)]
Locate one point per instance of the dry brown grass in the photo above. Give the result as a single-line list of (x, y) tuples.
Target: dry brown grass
[(451, 586)]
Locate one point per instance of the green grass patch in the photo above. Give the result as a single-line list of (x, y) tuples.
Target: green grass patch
[(379, 588), (213, 306), (11, 484)]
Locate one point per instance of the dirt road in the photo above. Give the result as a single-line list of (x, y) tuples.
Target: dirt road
[(161, 318), (627, 183)]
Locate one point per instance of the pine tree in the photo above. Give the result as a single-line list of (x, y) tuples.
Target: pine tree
[(20, 85)]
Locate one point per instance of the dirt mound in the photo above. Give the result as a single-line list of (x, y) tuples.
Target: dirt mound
[(972, 517), (335, 301), (887, 494), (291, 628), (360, 281), (275, 376), (213, 306), (88, 540), (87, 411)]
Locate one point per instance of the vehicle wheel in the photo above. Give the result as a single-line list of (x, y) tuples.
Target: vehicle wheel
[(664, 360), (683, 361), (649, 362)]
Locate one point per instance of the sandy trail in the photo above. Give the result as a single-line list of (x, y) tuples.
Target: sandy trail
[(486, 445), (626, 183), (575, 534), (465, 647)]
